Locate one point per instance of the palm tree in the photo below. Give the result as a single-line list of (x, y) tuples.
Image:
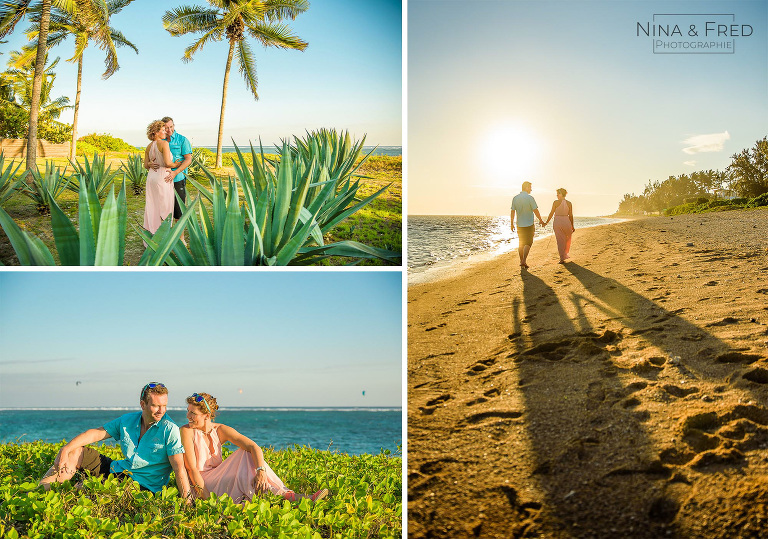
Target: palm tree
[(21, 84), (11, 12), (231, 19), (70, 20)]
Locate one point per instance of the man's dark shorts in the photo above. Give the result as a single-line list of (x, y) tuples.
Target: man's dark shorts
[(98, 464), (525, 233), (181, 189)]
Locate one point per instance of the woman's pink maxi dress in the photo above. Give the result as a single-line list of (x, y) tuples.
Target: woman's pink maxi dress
[(159, 199), (563, 229), (233, 476)]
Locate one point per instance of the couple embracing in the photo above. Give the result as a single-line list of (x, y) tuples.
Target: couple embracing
[(153, 446), (166, 159)]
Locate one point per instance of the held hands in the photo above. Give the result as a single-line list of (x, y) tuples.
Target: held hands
[(542, 223)]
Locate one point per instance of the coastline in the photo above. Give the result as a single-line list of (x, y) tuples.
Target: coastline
[(455, 267), (622, 394)]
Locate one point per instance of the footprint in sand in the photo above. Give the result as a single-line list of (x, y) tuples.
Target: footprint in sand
[(680, 392), (435, 327), (737, 357), (467, 302), (758, 375), (481, 366), (491, 393), (724, 322), (491, 416)]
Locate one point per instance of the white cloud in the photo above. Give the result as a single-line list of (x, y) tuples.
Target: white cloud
[(706, 143), (690, 163)]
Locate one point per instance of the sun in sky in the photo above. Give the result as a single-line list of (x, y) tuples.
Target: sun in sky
[(510, 153)]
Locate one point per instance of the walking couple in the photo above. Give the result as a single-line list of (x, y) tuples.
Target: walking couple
[(525, 206), (153, 445), (166, 158)]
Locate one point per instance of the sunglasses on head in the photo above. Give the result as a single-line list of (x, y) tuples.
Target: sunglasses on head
[(150, 385), (198, 398)]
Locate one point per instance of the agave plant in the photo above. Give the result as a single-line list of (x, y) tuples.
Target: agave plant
[(99, 242), (44, 189), (273, 227), (336, 161), (95, 172), (134, 171), (7, 174)]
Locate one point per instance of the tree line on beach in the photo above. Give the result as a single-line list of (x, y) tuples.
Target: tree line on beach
[(25, 88), (745, 179)]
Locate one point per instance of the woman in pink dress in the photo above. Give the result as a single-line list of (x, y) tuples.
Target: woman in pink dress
[(159, 189), (243, 474), (563, 226)]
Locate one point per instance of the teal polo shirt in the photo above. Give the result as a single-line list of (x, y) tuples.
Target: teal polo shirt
[(180, 147), (524, 204), (147, 460)]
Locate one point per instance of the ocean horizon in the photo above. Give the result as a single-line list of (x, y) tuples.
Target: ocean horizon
[(352, 430)]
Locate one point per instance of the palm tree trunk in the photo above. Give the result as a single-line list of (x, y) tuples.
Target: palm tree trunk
[(224, 104), (73, 144), (37, 84)]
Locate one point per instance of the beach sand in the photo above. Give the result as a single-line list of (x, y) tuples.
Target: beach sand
[(624, 394)]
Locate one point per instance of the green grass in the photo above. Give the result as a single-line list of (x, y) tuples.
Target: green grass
[(379, 224), (704, 205), (365, 500)]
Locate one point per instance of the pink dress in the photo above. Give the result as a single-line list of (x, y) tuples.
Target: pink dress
[(233, 476), (159, 199), (563, 229)]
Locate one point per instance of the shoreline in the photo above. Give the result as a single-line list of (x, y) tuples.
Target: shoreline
[(622, 394), (455, 267)]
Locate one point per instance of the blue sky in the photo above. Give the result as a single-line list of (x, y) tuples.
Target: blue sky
[(284, 338), (566, 94), (349, 77)]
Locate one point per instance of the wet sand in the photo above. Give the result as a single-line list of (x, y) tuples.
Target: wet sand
[(623, 394)]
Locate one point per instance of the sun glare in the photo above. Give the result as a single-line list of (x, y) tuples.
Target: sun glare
[(510, 153)]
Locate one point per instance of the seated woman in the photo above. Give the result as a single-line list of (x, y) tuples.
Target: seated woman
[(243, 474)]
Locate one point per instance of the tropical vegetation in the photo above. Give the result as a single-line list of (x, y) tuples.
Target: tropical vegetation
[(286, 208), (365, 500), (741, 184), (231, 20), (86, 25)]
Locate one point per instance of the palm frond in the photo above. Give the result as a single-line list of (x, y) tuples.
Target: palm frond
[(11, 12), (276, 35), (186, 19), (121, 41), (216, 34), (275, 10), (248, 66)]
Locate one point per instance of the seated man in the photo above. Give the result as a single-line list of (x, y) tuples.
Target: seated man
[(150, 442)]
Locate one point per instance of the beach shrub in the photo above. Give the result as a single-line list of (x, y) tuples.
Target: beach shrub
[(8, 181), (365, 500), (134, 172), (761, 200), (99, 242), (44, 188), (107, 143)]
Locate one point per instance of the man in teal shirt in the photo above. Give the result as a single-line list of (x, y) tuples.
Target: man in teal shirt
[(525, 206), (150, 441), (180, 147)]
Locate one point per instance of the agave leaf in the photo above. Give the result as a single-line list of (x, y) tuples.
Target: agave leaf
[(282, 196), (232, 247), (290, 249), (88, 226), (297, 204), (314, 231), (108, 242), (167, 239), (30, 250), (351, 249), (66, 237)]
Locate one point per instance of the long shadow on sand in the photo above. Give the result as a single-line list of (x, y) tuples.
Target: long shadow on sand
[(588, 392)]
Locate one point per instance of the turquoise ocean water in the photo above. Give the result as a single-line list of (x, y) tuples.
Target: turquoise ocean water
[(348, 430)]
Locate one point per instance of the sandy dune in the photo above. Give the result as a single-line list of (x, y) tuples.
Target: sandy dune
[(624, 394)]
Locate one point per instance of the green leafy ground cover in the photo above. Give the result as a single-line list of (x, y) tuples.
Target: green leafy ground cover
[(379, 224), (365, 501)]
